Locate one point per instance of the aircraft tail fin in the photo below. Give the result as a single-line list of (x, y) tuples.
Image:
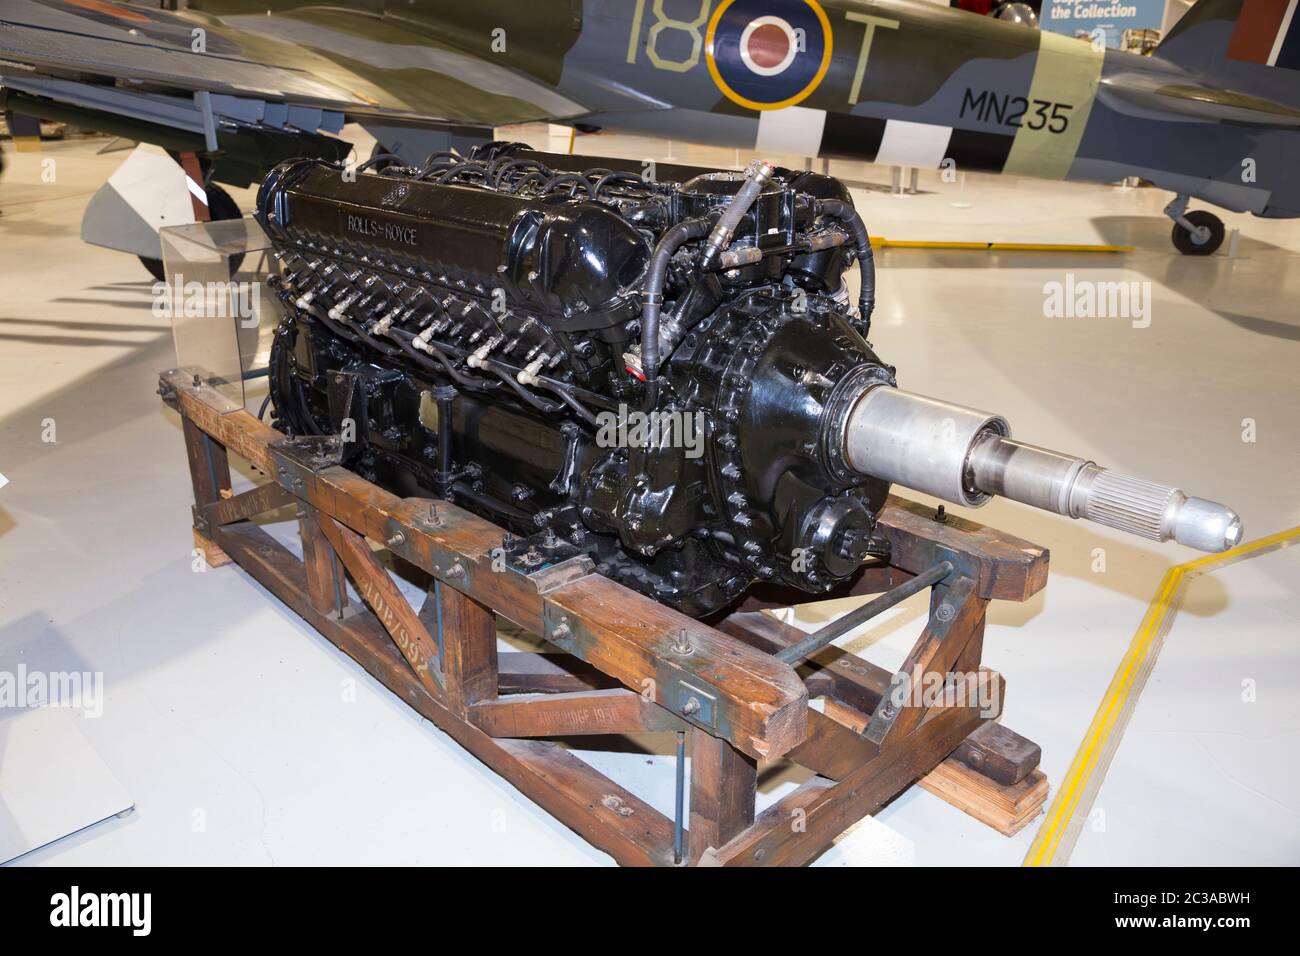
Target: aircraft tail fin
[(1248, 45)]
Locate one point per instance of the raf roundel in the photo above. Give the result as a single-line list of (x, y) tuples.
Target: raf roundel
[(768, 54)]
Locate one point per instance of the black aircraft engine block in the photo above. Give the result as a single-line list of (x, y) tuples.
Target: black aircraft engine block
[(476, 331), (658, 368)]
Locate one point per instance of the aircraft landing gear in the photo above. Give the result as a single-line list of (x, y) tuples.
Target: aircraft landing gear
[(1196, 233), (220, 206)]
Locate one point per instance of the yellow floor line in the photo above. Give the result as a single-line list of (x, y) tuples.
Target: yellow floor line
[(882, 243), (1056, 837)]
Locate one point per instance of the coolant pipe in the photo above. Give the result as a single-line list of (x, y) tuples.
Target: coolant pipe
[(845, 213), (756, 178), (652, 298)]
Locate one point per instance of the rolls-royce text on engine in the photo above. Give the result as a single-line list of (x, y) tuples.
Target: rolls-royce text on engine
[(665, 373)]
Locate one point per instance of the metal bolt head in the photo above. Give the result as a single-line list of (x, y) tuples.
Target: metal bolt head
[(692, 706), (396, 540), (945, 612)]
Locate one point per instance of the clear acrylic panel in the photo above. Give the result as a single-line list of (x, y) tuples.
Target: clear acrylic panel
[(222, 310)]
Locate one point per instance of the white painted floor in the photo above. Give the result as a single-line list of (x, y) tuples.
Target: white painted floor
[(243, 738)]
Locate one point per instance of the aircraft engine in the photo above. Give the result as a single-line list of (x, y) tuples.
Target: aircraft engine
[(663, 372)]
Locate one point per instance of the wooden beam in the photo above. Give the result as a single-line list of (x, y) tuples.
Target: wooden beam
[(928, 663), (210, 479), (526, 672), (756, 702), (387, 602), (324, 583), (824, 810), (246, 504), (724, 788), (1007, 808), (209, 465), (614, 711), (830, 672), (469, 648), (832, 750), (213, 413), (998, 752)]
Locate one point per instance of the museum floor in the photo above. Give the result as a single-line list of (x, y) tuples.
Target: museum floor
[(242, 737)]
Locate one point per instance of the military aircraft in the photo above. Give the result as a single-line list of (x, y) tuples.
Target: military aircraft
[(230, 87)]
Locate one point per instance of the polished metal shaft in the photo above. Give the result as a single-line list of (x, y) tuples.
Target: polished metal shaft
[(1079, 488), (964, 456)]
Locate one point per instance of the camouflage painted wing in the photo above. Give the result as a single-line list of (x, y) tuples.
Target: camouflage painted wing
[(304, 70)]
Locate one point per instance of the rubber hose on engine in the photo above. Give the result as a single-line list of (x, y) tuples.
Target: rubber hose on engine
[(845, 213), (652, 297)]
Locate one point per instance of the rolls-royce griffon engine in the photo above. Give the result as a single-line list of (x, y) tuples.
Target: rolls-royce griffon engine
[(665, 372)]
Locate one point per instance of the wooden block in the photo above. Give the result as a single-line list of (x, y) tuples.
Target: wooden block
[(1004, 566), (1004, 807), (999, 753), (212, 554)]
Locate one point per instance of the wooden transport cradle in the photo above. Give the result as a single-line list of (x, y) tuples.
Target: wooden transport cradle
[(623, 663)]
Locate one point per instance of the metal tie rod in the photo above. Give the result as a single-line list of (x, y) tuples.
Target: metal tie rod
[(815, 641)]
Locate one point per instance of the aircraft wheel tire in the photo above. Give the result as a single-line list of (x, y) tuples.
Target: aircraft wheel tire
[(1187, 245), (220, 206)]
